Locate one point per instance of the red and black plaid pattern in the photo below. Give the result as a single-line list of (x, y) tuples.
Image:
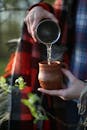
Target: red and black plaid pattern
[(24, 62)]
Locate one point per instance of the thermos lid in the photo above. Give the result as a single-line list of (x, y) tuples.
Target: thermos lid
[(47, 31)]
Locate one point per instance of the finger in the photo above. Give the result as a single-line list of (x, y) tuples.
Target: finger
[(26, 20), (28, 27), (31, 24), (68, 74), (33, 30), (50, 92), (60, 93)]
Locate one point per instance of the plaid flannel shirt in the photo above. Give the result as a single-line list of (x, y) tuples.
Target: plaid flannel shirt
[(29, 54), (24, 62), (79, 53)]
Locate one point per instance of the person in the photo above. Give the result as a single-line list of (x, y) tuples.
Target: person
[(76, 44), (29, 53), (74, 91)]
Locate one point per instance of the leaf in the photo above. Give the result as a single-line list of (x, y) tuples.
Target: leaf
[(37, 111), (2, 80), (33, 98), (20, 83)]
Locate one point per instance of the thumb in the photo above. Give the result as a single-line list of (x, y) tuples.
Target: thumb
[(68, 74)]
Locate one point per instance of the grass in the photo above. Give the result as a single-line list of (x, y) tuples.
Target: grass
[(3, 63)]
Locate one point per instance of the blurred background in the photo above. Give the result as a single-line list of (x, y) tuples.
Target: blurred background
[(12, 13)]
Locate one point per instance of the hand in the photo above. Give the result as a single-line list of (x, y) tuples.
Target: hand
[(72, 91), (35, 15)]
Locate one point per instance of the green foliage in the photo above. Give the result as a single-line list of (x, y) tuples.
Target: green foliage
[(20, 83), (4, 101), (49, 1), (4, 86), (3, 63), (33, 102), (7, 88)]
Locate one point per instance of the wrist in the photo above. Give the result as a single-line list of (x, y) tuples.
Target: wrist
[(83, 100), (84, 90), (81, 91)]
